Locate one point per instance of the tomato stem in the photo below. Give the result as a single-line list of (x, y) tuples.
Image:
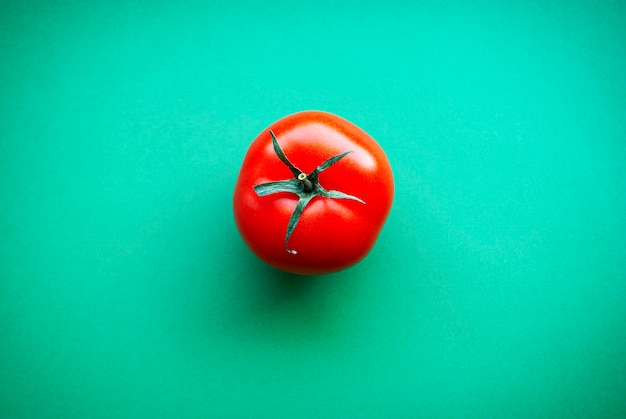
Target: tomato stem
[(305, 186)]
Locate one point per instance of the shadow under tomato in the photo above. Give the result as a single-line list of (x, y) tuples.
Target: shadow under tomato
[(284, 285), (274, 288), (275, 307)]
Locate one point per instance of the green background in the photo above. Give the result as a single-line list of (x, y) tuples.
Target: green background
[(497, 287)]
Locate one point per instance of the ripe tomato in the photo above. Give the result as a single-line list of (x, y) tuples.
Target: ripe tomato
[(313, 193)]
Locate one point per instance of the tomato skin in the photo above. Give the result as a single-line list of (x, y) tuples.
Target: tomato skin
[(332, 234)]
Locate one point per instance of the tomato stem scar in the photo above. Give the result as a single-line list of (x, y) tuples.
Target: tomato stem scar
[(305, 186)]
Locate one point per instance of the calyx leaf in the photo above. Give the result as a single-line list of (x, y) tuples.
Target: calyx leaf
[(305, 186)]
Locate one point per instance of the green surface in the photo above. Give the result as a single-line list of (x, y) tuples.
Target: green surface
[(497, 287)]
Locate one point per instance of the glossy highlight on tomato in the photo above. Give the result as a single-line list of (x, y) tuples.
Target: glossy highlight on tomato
[(313, 193)]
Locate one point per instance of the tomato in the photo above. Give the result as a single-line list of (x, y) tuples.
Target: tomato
[(313, 193)]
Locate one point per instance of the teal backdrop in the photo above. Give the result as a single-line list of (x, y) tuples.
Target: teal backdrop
[(496, 289)]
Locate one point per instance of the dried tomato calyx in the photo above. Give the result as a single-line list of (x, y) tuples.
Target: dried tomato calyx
[(305, 186)]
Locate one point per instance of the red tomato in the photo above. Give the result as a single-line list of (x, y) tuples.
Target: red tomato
[(313, 193)]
